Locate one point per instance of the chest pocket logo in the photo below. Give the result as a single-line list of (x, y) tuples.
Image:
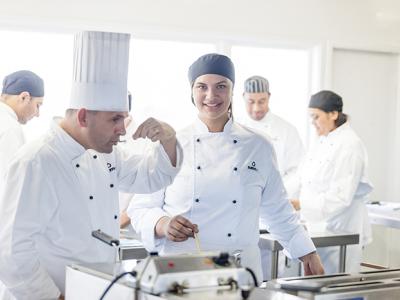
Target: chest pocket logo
[(252, 166), (110, 167)]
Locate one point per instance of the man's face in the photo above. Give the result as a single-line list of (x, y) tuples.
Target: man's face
[(212, 96), (104, 129), (256, 105), (324, 122), (29, 108)]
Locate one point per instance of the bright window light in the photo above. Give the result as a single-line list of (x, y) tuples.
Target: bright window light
[(287, 71), (48, 55), (158, 80)]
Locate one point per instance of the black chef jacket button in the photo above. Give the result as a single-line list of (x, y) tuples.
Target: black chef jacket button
[(91, 197), (198, 167), (111, 185), (229, 235), (94, 156), (115, 217), (77, 165), (198, 140)]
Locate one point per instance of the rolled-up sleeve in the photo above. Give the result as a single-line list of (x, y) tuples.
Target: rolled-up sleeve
[(145, 211)]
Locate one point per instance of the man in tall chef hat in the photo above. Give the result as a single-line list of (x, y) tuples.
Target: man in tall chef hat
[(65, 185)]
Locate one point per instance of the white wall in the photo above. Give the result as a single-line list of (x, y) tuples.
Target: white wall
[(373, 21)]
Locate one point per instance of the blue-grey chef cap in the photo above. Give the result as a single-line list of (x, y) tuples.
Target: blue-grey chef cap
[(212, 63), (23, 81), (327, 101)]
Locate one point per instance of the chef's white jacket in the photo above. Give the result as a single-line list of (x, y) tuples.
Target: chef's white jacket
[(56, 194), (227, 182), (334, 187), (287, 145), (11, 137)]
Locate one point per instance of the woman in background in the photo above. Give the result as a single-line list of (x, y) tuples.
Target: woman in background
[(334, 185)]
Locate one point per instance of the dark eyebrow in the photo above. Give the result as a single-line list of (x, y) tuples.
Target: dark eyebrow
[(219, 82), (263, 98), (222, 81)]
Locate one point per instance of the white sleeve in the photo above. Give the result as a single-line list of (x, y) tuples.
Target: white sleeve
[(147, 174), (24, 213), (346, 176), (294, 153), (282, 222), (145, 211)]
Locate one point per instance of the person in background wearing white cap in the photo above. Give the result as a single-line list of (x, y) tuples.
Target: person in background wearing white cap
[(21, 97), (334, 183), (284, 137), (65, 185), (228, 180)]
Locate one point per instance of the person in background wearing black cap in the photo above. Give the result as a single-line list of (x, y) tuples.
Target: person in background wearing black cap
[(284, 137), (20, 101), (334, 185), (228, 180)]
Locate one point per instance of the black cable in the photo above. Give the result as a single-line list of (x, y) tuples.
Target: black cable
[(253, 275), (133, 273)]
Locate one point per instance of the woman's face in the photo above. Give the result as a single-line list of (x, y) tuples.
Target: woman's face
[(324, 122), (212, 96)]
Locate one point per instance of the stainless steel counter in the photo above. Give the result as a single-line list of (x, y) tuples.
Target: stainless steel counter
[(385, 214), (372, 285), (320, 239)]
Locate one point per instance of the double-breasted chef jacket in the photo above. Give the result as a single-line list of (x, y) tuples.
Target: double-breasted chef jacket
[(287, 145), (227, 182), (334, 187), (56, 194)]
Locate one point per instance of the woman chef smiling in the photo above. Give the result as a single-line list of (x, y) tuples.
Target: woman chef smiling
[(229, 179)]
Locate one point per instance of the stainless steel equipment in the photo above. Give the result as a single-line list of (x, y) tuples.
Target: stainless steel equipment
[(206, 276), (382, 285)]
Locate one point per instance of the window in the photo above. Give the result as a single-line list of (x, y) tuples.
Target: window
[(287, 71), (48, 55), (158, 80), (158, 77)]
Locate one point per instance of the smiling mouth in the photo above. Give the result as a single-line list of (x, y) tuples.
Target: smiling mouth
[(212, 104)]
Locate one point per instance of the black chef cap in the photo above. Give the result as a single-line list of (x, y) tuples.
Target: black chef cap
[(212, 63), (327, 101)]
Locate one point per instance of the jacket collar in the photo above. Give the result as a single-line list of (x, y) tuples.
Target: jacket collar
[(65, 142), (9, 110), (336, 132), (202, 128), (264, 122)]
